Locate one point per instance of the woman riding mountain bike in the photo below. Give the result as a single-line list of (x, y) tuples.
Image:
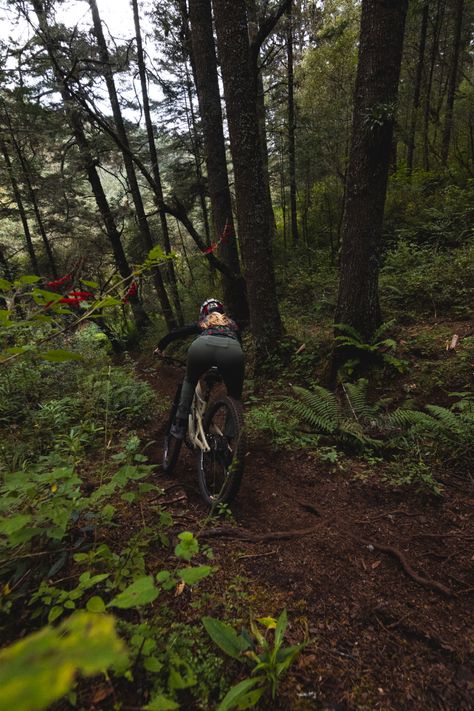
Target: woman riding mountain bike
[(218, 345)]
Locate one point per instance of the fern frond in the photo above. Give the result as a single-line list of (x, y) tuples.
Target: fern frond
[(356, 393), (382, 329), (344, 328), (318, 407), (455, 423), (411, 418)]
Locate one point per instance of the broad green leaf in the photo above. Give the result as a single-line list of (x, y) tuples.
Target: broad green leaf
[(90, 284), (161, 703), (269, 622), (281, 628), (236, 693), (225, 637), (191, 576), (5, 285), (43, 295), (41, 668), (27, 279), (95, 604), (5, 318), (55, 612), (187, 547), (152, 664), (141, 592), (107, 302), (59, 356)]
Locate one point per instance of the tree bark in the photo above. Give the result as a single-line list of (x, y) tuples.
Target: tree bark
[(21, 209), (155, 167), (427, 105), (380, 52), (291, 127), (417, 91), (453, 81), (207, 84), (129, 166), (253, 214)]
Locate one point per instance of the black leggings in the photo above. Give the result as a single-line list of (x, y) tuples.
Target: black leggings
[(205, 352)]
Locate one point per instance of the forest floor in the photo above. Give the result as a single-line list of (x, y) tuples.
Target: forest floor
[(380, 579)]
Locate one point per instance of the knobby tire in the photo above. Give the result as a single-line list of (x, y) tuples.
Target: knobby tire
[(220, 470)]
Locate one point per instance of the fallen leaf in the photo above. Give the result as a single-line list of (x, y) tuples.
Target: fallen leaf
[(179, 588)]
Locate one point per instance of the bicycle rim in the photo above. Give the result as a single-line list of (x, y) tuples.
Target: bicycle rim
[(220, 470)]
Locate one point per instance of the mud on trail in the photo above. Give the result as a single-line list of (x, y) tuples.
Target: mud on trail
[(380, 580)]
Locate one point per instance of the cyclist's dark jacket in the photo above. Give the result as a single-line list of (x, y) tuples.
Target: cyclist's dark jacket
[(192, 329)]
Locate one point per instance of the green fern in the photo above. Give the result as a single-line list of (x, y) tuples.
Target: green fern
[(319, 408)]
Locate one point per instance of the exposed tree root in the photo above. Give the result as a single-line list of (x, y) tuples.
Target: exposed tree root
[(251, 537), (426, 582)]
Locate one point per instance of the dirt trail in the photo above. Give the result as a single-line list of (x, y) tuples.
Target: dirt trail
[(382, 581)]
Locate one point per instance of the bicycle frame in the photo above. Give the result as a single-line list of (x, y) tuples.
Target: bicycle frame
[(195, 429)]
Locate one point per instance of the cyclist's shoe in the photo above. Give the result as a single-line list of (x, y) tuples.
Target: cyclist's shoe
[(178, 428)]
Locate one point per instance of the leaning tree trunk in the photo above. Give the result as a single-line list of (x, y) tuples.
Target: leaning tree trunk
[(378, 71), (253, 214), (437, 24), (453, 80), (205, 69), (158, 190), (142, 220)]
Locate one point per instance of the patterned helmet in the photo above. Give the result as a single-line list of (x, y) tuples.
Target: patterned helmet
[(209, 306)]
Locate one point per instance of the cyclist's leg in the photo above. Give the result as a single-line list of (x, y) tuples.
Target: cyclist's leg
[(230, 361), (198, 361)]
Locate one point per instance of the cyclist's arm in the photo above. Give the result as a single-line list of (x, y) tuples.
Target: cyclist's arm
[(188, 330)]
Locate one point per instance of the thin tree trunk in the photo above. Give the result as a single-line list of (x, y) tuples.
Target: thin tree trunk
[(158, 192), (253, 213), (291, 128), (32, 194), (205, 69), (21, 209), (453, 80), (380, 51), (89, 165), (417, 91), (129, 166)]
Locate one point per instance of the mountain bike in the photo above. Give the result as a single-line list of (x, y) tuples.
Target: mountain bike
[(216, 434)]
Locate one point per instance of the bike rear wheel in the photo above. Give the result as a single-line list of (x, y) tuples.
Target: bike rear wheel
[(220, 470), (171, 445)]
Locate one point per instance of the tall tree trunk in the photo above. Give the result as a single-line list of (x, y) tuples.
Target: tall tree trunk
[(380, 52), (291, 127), (31, 193), (427, 106), (128, 162), (261, 110), (207, 84), (89, 164), (253, 214), (158, 191), (417, 91), (453, 80), (21, 209)]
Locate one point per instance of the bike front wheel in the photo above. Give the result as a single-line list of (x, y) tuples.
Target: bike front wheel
[(220, 469)]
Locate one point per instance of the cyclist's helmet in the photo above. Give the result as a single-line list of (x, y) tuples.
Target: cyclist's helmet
[(209, 306)]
